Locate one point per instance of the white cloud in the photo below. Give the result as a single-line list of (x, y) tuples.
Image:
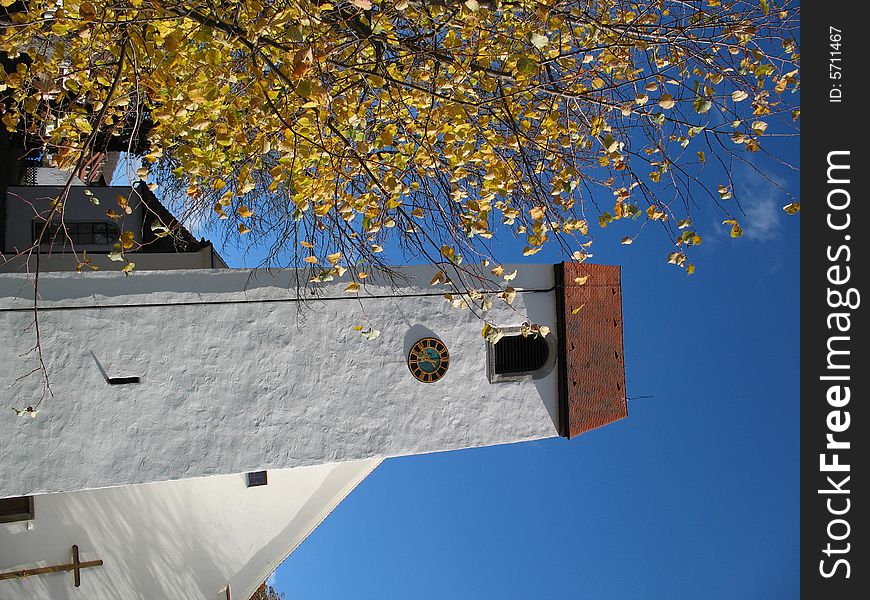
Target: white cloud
[(762, 220), (762, 200)]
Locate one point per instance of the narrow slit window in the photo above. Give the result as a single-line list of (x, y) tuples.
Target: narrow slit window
[(123, 380), (256, 478)]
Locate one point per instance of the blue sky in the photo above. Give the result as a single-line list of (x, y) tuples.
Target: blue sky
[(694, 495)]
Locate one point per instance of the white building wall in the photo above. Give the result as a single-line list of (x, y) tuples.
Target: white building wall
[(172, 540), (204, 258), (238, 385), (25, 203)]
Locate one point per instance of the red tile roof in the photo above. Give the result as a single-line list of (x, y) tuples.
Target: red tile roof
[(594, 370)]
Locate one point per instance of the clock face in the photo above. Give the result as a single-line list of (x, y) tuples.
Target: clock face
[(428, 360)]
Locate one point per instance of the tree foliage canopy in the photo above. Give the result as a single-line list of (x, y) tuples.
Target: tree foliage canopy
[(333, 128), (266, 592)]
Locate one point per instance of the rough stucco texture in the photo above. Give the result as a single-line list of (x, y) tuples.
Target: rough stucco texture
[(595, 362), (234, 386)]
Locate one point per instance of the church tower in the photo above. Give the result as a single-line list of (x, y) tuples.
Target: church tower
[(168, 375), (204, 422)]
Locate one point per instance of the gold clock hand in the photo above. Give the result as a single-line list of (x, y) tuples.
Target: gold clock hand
[(424, 356)]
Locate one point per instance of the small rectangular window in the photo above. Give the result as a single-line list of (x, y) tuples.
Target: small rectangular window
[(16, 509), (256, 478)]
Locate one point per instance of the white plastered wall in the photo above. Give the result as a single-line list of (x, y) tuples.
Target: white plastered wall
[(238, 385), (174, 540)]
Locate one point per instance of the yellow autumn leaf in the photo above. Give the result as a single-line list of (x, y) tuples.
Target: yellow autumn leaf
[(306, 244), (352, 288), (127, 240), (310, 260), (334, 257), (245, 212), (655, 213), (491, 333), (508, 295), (122, 202), (497, 271), (578, 309), (793, 208), (736, 230), (243, 229), (581, 280)]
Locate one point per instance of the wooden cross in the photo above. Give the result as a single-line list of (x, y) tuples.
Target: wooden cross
[(75, 566)]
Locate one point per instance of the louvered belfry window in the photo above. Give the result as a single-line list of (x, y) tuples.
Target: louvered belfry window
[(519, 354)]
